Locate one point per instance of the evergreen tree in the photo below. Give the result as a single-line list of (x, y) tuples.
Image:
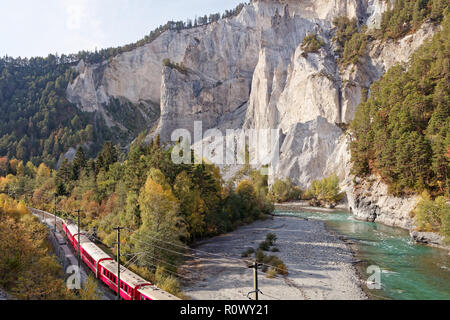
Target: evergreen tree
[(79, 163)]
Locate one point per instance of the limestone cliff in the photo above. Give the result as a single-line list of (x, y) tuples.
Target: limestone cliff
[(251, 71)]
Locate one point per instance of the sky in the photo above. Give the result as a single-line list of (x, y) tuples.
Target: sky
[(37, 28)]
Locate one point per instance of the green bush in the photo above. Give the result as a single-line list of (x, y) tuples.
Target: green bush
[(354, 48), (272, 273), (325, 190), (271, 238), (312, 43), (259, 256), (345, 29), (284, 190), (248, 252), (271, 264), (433, 216), (265, 246)]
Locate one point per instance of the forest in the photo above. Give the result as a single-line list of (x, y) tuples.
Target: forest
[(402, 132), (160, 204), (29, 270), (37, 123)]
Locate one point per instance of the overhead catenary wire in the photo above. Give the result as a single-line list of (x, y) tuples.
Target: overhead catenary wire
[(162, 248), (138, 255), (214, 254), (162, 261), (132, 260), (191, 249), (171, 272)]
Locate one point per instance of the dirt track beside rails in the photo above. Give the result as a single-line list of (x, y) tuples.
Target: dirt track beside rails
[(320, 265)]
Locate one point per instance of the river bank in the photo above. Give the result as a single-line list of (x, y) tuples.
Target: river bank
[(321, 266), (304, 206), (407, 270), (431, 239)]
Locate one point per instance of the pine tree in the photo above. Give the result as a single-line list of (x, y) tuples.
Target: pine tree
[(79, 163)]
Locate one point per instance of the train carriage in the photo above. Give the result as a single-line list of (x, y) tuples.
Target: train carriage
[(83, 241), (71, 231), (152, 292), (129, 281), (92, 256), (132, 287)]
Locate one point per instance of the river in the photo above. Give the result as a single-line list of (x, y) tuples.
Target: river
[(409, 271)]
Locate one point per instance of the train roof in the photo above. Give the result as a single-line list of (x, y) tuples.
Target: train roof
[(83, 240), (73, 228), (156, 293), (126, 275), (95, 252)]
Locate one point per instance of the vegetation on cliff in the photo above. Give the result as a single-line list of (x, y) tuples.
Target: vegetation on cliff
[(351, 43), (406, 16), (37, 122), (312, 43), (403, 17), (402, 132)]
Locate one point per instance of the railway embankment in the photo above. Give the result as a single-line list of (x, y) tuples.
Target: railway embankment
[(64, 253)]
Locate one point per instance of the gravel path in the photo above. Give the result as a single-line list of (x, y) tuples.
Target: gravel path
[(320, 265)]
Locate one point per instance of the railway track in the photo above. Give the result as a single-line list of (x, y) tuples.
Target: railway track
[(105, 268), (65, 252)]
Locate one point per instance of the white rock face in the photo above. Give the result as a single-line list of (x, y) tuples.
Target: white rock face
[(209, 102), (370, 201), (307, 150), (375, 10), (251, 72), (312, 90), (385, 55), (227, 51)]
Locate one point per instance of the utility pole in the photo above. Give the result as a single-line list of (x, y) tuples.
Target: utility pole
[(79, 251), (54, 211), (255, 267), (118, 260)]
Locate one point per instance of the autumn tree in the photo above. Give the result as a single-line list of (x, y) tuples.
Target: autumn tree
[(162, 224)]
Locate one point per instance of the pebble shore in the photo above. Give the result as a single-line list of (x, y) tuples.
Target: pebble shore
[(320, 264)]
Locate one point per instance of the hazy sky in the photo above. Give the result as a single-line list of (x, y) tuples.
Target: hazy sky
[(37, 28)]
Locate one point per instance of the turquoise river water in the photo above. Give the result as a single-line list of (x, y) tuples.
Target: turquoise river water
[(408, 270)]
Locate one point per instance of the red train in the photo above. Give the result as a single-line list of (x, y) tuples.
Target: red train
[(132, 287)]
